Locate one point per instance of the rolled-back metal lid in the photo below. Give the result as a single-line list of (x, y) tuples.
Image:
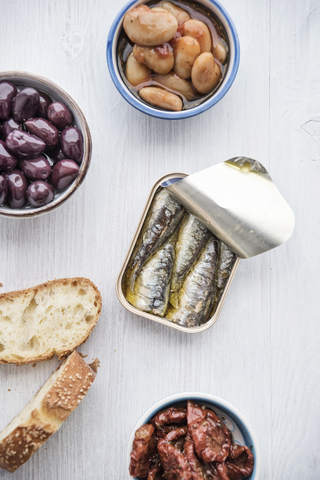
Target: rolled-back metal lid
[(239, 203)]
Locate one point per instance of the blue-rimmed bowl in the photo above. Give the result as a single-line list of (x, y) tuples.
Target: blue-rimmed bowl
[(236, 422), (234, 57)]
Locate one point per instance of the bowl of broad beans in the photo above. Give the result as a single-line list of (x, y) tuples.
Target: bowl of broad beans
[(173, 60)]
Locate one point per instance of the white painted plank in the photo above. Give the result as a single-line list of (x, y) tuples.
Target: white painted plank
[(262, 353), (294, 160)]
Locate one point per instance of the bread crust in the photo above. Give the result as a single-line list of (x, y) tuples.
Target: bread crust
[(43, 286), (63, 396)]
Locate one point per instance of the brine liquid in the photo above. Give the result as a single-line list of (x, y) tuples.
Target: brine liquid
[(218, 35)]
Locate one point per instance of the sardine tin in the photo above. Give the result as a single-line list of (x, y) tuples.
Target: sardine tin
[(121, 278)]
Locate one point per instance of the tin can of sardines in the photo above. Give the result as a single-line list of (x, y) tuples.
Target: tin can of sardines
[(191, 236)]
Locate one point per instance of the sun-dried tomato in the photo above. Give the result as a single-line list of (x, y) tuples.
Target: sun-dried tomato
[(176, 433), (216, 471), (155, 469), (195, 413), (240, 462), (144, 446), (171, 415), (196, 467), (222, 471), (173, 461), (211, 437)]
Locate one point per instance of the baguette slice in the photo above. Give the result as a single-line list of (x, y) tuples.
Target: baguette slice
[(53, 318), (46, 412)]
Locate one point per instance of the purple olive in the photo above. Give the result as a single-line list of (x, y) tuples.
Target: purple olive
[(40, 193), (10, 125), (55, 154), (36, 169), (25, 104), (7, 93), (63, 173), (17, 188), (72, 143), (7, 160), (3, 189), (45, 101), (24, 144), (44, 130), (60, 115)]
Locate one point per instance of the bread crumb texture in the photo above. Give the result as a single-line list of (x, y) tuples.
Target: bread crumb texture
[(52, 318), (45, 413)]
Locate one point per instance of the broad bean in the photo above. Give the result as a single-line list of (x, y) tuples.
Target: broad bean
[(200, 32), (136, 72), (160, 59), (177, 84), (205, 73), (220, 52), (149, 27), (186, 51), (180, 14), (161, 98)]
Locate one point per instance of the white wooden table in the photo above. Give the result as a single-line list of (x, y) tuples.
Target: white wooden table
[(263, 353)]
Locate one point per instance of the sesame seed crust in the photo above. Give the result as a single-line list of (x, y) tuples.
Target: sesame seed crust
[(51, 409), (55, 402)]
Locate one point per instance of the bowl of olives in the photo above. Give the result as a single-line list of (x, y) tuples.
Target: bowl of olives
[(45, 145), (173, 59)]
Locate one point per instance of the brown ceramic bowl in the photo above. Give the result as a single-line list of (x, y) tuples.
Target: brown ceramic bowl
[(25, 79)]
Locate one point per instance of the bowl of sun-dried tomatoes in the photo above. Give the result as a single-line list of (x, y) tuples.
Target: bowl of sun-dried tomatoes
[(193, 436)]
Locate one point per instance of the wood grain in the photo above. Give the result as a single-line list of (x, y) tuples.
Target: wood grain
[(263, 353)]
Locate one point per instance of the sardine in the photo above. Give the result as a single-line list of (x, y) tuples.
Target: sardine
[(195, 297), (192, 237), (152, 287), (164, 215), (226, 262)]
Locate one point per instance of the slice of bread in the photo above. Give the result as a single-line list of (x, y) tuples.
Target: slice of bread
[(45, 413), (53, 318)]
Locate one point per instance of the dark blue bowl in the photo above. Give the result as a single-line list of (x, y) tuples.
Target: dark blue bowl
[(228, 80)]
